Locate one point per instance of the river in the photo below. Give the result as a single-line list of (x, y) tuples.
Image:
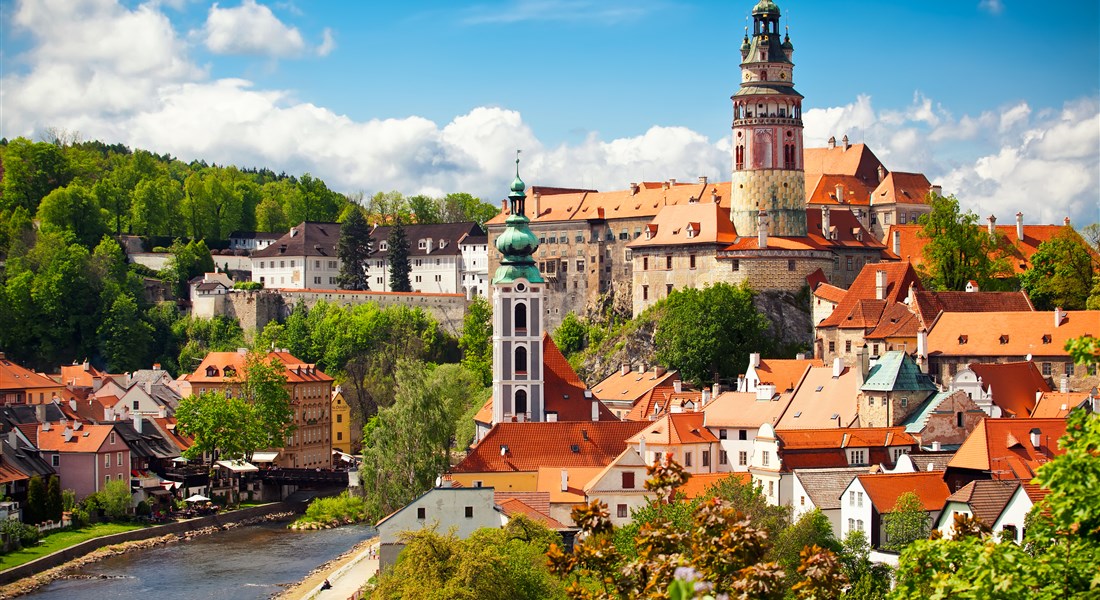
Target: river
[(241, 563)]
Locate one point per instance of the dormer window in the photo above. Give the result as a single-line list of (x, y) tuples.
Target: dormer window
[(229, 371), (211, 371), (650, 231), (1046, 338), (1004, 338), (422, 244), (383, 246), (963, 339)]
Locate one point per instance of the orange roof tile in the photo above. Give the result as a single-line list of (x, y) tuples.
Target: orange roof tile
[(549, 480), (675, 429), (662, 400), (896, 321), (631, 385), (699, 484), (646, 201), (884, 489), (899, 276), (514, 506), (514, 447), (229, 367), (820, 397), (856, 160), (687, 224), (1009, 334), (929, 305), (15, 377), (912, 243), (742, 409), (830, 292), (87, 439), (1014, 385), (849, 437), (822, 189), (784, 373), (1057, 405), (1004, 447), (902, 188), (9, 473)]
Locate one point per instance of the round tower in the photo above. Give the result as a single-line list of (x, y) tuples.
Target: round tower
[(767, 133)]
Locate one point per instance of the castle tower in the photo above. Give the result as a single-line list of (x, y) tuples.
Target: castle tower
[(518, 307), (767, 133)]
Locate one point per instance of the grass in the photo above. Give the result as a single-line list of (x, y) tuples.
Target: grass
[(61, 540)]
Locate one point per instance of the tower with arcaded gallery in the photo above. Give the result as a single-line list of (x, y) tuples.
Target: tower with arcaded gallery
[(767, 133)]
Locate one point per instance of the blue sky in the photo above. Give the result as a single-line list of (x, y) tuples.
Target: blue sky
[(996, 100)]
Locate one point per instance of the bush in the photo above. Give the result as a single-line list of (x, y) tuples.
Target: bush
[(143, 509), (248, 285), (160, 249), (334, 510), (29, 536)]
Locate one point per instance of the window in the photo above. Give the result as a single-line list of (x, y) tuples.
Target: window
[(706, 458), (668, 262), (851, 502), (628, 480), (291, 264), (106, 460), (521, 359), (521, 317), (261, 264), (112, 438), (521, 402), (958, 419), (691, 261), (1008, 532), (339, 436), (857, 457), (282, 264), (107, 479), (849, 263), (859, 499), (136, 403), (832, 347), (742, 434), (859, 524), (340, 418), (118, 460), (317, 280), (469, 512), (421, 513), (771, 488), (904, 401), (723, 457), (851, 524), (645, 263), (721, 434), (884, 400), (332, 263), (790, 265), (620, 511), (736, 264), (668, 289), (765, 458), (56, 460), (1069, 369), (802, 501), (645, 292), (743, 458), (316, 264), (687, 459)]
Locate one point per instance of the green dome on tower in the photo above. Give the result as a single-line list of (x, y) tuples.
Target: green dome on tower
[(517, 242), (765, 7)]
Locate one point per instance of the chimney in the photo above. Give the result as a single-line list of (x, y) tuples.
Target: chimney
[(992, 225), (1020, 226), (897, 242), (72, 404), (844, 141), (936, 190), (46, 426), (1063, 385), (138, 422), (156, 366), (1036, 438), (1067, 221), (880, 284), (936, 446), (40, 413), (633, 189), (13, 439), (703, 179), (826, 226), (504, 206), (624, 369), (838, 367), (595, 410), (671, 182), (839, 193), (641, 447), (881, 173), (659, 371), (864, 357), (765, 392), (705, 398), (754, 359), (716, 389), (1059, 316), (922, 342), (641, 368), (537, 197), (832, 142), (677, 386), (800, 356), (564, 480), (293, 231), (67, 434), (762, 229), (714, 195)]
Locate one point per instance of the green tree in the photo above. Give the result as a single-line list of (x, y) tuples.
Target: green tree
[(398, 258), (747, 498), (812, 529), (476, 341), (708, 333), (269, 215), (384, 208), (115, 499), (905, 523), (407, 445), (460, 207), (1061, 273), (958, 249), (264, 386), (223, 428), (870, 581), (188, 260), (35, 510), (31, 171), (155, 209), (354, 250), (75, 209), (424, 209), (571, 335), (124, 337), (54, 502)]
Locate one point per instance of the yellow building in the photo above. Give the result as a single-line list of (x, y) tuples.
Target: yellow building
[(341, 422)]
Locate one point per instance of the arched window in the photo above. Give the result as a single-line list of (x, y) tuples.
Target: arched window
[(521, 316), (521, 359), (521, 402)]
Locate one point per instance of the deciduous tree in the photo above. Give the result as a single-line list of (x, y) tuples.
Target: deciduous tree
[(958, 249), (476, 341), (905, 523), (1061, 273)]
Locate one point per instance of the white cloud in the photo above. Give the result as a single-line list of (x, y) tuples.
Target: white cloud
[(328, 43), (252, 29)]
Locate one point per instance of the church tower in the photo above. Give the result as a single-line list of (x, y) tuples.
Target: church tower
[(518, 288), (767, 133)]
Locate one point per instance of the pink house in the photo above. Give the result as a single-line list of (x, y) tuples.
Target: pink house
[(85, 457)]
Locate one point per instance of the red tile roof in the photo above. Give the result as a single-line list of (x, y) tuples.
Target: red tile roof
[(830, 292), (513, 447), (646, 201), (849, 437), (1057, 405), (632, 385), (514, 506), (675, 429), (884, 489), (784, 373), (87, 439), (902, 188), (821, 189), (1009, 334), (929, 305), (899, 276), (688, 224), (987, 498), (856, 160), (294, 369), (700, 483), (1020, 251), (1003, 447), (661, 400), (1015, 385), (82, 375), (15, 377), (896, 321)]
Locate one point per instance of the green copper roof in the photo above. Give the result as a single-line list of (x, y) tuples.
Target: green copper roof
[(517, 243), (765, 7), (895, 371)]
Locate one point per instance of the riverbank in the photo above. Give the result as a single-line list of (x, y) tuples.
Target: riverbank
[(307, 586), (35, 581)]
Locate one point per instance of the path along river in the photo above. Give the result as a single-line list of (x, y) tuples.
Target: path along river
[(242, 563)]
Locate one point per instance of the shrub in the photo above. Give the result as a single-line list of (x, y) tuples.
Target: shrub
[(335, 510), (160, 249), (29, 535), (248, 285)]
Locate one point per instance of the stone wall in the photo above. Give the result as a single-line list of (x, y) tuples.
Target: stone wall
[(774, 270), (781, 192)]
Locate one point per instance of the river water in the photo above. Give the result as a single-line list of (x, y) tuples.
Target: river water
[(241, 563)]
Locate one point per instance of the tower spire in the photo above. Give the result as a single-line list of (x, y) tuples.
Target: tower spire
[(517, 243)]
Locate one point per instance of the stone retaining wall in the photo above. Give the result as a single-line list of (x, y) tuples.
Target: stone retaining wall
[(73, 552)]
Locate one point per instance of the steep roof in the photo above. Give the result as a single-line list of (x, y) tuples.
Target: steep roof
[(902, 188), (742, 409), (895, 371), (899, 276), (631, 385), (216, 363), (1009, 334), (1003, 447), (848, 437), (1020, 251), (699, 484), (884, 489), (564, 390), (929, 305), (987, 498), (820, 397), (824, 486), (856, 160), (80, 375), (822, 189), (830, 292), (449, 233), (1014, 385), (896, 321), (305, 239), (16, 377), (784, 373), (931, 461), (660, 400), (693, 223), (915, 422), (1057, 405), (87, 439), (675, 429), (513, 447)]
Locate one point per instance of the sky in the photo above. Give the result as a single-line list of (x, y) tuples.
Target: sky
[(997, 101)]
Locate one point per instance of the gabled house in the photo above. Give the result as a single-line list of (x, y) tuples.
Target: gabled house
[(821, 489), (868, 497), (983, 499), (667, 398), (1005, 449), (893, 388), (621, 486), (462, 510), (624, 388), (735, 418), (1056, 405), (341, 424), (876, 287), (19, 461), (683, 437), (1002, 389), (944, 420), (783, 374), (19, 385), (86, 457), (826, 397)]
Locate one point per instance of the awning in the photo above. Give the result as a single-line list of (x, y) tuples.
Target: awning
[(238, 466), (157, 491), (264, 457)]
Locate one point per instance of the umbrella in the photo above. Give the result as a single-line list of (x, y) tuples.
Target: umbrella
[(198, 498)]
